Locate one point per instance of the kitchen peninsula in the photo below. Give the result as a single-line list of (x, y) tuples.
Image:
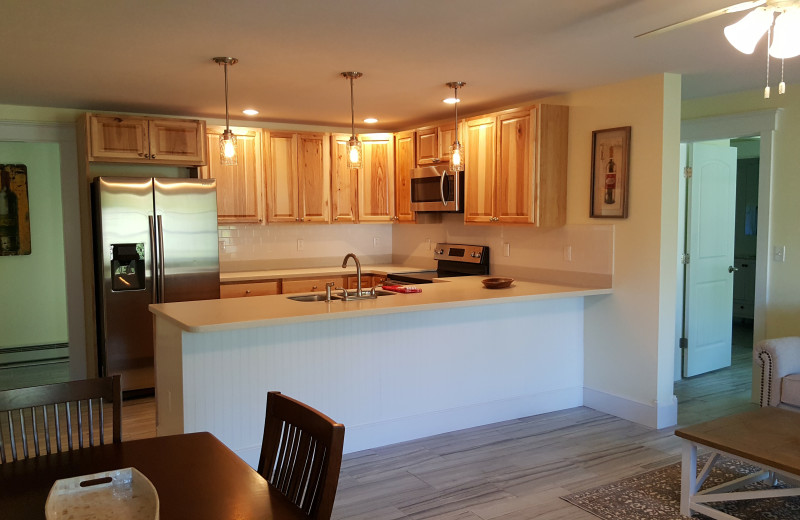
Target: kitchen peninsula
[(391, 369)]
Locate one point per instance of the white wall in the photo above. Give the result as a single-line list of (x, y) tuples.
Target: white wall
[(33, 297), (247, 247), (630, 334)]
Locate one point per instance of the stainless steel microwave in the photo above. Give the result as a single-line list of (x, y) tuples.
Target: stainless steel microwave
[(433, 188)]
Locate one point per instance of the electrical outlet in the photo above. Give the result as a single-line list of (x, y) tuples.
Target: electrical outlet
[(299, 244), (779, 253), (376, 242), (507, 249), (568, 253)]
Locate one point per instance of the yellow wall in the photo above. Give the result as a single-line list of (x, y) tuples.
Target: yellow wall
[(783, 279), (629, 335)]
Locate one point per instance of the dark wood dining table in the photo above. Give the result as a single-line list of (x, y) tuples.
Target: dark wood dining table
[(195, 475)]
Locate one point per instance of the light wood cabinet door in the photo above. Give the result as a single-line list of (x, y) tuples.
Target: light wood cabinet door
[(404, 144), (514, 176), (480, 165), (177, 141), (298, 177), (376, 179), (447, 135), (314, 182), (146, 140), (118, 138), (240, 187), (344, 183), (281, 176), (427, 145), (550, 125), (300, 285), (242, 290)]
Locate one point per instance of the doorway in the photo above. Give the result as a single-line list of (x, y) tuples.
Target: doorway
[(754, 131)]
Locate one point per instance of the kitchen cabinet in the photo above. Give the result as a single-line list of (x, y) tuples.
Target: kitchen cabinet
[(316, 284), (241, 290), (376, 179), (516, 166), (344, 183), (367, 281), (240, 194), (297, 177), (404, 160), (127, 139), (433, 143)]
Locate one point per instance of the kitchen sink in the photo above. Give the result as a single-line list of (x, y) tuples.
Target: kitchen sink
[(312, 297), (378, 292)]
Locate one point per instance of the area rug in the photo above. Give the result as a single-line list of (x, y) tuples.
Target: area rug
[(656, 495)]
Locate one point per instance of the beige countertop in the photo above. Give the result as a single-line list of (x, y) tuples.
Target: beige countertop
[(262, 311), (277, 274)]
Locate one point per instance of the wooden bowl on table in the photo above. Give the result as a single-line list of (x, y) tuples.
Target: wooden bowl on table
[(497, 282)]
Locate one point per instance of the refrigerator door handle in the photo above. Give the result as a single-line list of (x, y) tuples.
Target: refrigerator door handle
[(160, 260), (153, 257)]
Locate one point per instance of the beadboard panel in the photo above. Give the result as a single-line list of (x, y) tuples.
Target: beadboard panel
[(388, 378)]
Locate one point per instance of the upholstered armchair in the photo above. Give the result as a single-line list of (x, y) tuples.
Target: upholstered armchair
[(779, 362)]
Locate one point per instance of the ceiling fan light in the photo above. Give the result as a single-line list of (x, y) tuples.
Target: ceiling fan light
[(786, 36), (745, 34)]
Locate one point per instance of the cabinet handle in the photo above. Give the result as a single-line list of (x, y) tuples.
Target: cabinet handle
[(152, 156), (313, 287), (247, 291)]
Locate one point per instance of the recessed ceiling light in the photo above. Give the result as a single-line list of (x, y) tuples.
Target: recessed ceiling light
[(250, 112), (451, 100), (370, 120)]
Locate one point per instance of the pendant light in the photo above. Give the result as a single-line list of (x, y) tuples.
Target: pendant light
[(456, 150), (227, 141), (354, 151)]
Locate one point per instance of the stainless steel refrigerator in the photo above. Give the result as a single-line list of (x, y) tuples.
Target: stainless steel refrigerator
[(156, 241)]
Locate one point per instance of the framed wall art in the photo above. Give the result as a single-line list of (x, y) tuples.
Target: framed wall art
[(15, 229), (610, 159)]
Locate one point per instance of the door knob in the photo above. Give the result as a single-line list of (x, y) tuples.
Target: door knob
[(732, 269)]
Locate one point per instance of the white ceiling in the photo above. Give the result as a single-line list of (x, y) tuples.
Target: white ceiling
[(154, 56)]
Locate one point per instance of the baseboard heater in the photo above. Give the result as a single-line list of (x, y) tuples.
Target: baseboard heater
[(33, 354)]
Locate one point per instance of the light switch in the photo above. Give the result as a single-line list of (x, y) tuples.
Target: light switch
[(299, 244), (507, 249), (568, 253), (779, 253)]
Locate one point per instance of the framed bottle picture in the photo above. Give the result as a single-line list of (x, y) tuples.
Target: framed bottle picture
[(610, 158)]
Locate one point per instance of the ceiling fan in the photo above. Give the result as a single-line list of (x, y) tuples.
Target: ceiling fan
[(745, 34)]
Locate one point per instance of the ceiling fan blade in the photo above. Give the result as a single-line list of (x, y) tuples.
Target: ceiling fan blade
[(742, 6)]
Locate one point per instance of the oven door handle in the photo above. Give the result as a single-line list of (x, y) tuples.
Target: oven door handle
[(441, 187)]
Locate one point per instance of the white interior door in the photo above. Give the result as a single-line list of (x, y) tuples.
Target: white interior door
[(709, 275)]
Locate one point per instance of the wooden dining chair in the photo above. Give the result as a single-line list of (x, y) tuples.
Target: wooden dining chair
[(301, 454), (43, 417)]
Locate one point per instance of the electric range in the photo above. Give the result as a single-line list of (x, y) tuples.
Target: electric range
[(452, 260)]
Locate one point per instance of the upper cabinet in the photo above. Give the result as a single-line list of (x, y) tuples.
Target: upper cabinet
[(404, 161), (516, 166), (240, 191), (298, 177), (376, 179), (344, 183), (131, 139), (433, 143)]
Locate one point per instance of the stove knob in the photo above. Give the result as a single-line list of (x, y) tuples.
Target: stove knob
[(475, 254), (439, 251)]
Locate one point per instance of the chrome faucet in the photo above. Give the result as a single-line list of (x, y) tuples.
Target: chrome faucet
[(358, 269)]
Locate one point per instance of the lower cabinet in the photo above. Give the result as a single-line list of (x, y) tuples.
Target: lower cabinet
[(299, 285), (240, 290)]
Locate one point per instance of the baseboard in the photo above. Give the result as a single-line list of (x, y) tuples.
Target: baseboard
[(653, 415), (366, 436), (33, 354)]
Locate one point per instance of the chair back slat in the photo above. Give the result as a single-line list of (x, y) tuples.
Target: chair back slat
[(301, 454), (33, 416)]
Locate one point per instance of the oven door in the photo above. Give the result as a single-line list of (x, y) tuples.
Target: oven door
[(433, 188)]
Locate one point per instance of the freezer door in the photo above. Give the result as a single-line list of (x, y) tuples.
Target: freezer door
[(187, 239), (123, 209)]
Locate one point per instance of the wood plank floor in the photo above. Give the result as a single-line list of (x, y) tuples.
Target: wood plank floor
[(512, 470)]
